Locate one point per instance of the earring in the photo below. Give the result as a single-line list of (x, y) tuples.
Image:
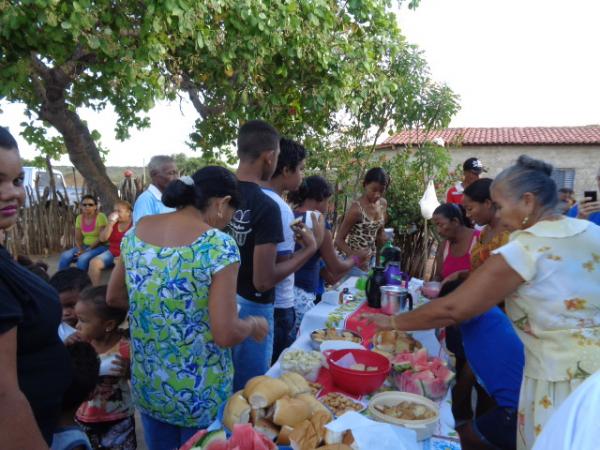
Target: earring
[(525, 220), (220, 214)]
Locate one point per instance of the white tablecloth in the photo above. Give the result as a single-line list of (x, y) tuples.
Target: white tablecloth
[(316, 318)]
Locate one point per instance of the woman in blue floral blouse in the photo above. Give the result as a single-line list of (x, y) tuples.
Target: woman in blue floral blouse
[(178, 277)]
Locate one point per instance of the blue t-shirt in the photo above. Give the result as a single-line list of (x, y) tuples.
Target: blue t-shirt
[(307, 277), (496, 355), (593, 217)]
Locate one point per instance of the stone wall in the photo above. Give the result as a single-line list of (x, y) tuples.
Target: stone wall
[(585, 159)]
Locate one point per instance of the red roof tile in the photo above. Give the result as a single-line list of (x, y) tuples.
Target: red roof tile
[(587, 135)]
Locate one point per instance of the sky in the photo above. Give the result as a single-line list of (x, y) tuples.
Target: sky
[(512, 62)]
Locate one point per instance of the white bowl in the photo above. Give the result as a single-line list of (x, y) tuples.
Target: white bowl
[(424, 428), (340, 345)]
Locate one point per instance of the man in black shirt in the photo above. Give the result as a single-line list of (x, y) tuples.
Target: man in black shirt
[(256, 227)]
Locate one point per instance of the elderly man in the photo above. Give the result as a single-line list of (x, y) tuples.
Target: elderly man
[(588, 208), (162, 171)]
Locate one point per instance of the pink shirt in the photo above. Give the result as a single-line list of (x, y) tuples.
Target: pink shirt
[(453, 264)]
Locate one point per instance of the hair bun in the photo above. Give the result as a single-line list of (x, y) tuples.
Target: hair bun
[(178, 194), (535, 164)]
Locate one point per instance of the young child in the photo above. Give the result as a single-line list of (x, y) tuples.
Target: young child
[(85, 366), (69, 283), (107, 417)]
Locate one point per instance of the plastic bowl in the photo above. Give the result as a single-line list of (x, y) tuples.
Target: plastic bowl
[(357, 381), (424, 428), (431, 289)]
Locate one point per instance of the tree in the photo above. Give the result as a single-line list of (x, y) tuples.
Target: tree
[(296, 64), (56, 57), (303, 65), (188, 165)]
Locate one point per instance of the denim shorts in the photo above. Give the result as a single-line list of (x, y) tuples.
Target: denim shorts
[(498, 428), (250, 357), (107, 258)]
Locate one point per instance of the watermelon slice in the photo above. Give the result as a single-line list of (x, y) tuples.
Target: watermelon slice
[(402, 361), (245, 437), (419, 374), (218, 445)]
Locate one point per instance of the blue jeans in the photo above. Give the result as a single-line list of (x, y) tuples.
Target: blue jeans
[(107, 258), (283, 334), (83, 260), (252, 358), (164, 436)]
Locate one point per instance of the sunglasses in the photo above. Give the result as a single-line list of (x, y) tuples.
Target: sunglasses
[(88, 205)]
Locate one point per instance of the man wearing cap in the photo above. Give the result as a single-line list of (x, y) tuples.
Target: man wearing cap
[(472, 169)]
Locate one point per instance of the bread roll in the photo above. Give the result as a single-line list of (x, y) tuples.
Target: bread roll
[(267, 428), (304, 437), (265, 392), (319, 419), (256, 414), (252, 382), (290, 412), (314, 404), (284, 435), (237, 410), (296, 383)]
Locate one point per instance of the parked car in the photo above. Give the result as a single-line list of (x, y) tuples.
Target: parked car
[(39, 179)]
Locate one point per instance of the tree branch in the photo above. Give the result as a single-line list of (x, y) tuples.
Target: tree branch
[(205, 111)]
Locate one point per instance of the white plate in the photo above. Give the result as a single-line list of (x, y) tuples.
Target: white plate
[(340, 345), (424, 428)]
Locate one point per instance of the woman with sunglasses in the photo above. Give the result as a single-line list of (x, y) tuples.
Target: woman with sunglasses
[(88, 226)]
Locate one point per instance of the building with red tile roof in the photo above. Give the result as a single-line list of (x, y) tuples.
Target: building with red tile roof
[(574, 151)]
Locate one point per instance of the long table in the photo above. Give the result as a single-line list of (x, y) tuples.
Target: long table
[(317, 318)]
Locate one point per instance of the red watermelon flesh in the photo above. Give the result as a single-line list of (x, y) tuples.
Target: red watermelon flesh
[(418, 374), (435, 389), (245, 437)]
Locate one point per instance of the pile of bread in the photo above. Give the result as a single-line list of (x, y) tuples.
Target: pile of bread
[(394, 342), (285, 410)]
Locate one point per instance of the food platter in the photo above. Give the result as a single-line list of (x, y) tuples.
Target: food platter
[(319, 336)]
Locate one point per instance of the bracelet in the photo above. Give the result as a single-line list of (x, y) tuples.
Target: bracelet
[(356, 260)]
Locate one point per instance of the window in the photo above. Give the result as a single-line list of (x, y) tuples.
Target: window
[(564, 178)]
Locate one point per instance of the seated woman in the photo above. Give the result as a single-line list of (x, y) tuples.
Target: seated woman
[(313, 195), (178, 276), (88, 226), (119, 222), (454, 253), (362, 227)]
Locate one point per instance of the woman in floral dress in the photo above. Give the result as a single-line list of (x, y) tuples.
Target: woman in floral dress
[(178, 276), (549, 274)]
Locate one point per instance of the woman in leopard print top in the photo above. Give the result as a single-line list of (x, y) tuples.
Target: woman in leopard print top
[(362, 227)]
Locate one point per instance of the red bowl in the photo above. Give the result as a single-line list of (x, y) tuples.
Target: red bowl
[(358, 381)]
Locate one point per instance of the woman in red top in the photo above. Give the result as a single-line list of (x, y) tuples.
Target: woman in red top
[(454, 254), (119, 222)]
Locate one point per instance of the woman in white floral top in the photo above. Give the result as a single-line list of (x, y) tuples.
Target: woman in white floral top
[(549, 273)]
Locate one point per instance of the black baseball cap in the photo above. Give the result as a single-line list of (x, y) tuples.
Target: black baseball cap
[(473, 165)]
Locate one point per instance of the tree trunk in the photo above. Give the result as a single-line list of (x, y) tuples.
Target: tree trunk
[(82, 150)]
